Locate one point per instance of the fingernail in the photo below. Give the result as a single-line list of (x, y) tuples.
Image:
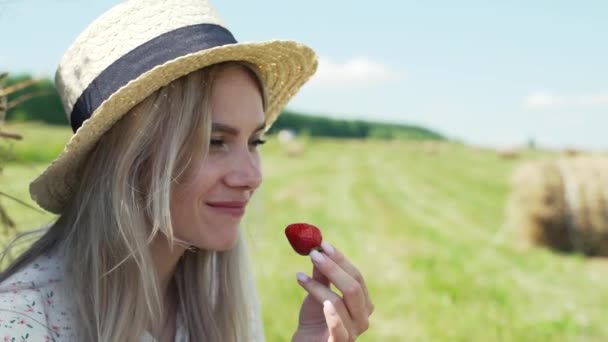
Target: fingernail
[(327, 248), (329, 308), (316, 256), (302, 277)]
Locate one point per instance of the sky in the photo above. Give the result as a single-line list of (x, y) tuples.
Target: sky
[(489, 73)]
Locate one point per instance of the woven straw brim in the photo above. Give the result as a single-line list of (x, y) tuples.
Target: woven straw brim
[(283, 66)]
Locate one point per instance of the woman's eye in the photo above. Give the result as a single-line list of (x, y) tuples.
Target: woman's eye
[(221, 144), (257, 142), (216, 143)]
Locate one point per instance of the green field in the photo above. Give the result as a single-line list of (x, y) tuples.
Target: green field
[(424, 223)]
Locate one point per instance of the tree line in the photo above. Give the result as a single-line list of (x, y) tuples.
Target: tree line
[(321, 126), (46, 107)]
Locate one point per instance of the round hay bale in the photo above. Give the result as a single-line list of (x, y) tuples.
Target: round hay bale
[(285, 136), (562, 204), (509, 153), (294, 149), (571, 151)]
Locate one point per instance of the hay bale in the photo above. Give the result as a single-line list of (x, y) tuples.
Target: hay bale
[(571, 152), (294, 148), (428, 147), (285, 136), (562, 204), (509, 153)]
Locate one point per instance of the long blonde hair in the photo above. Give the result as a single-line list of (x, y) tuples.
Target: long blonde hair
[(122, 202)]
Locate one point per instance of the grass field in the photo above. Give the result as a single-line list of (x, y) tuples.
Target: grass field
[(424, 224)]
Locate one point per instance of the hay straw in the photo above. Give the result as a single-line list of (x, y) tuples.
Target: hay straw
[(562, 204)]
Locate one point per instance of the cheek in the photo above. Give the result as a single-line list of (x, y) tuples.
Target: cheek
[(188, 195), (184, 200), (180, 206)]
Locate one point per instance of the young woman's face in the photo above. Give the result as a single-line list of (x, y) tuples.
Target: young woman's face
[(207, 206)]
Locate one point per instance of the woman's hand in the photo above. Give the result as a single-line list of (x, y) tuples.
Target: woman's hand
[(326, 315)]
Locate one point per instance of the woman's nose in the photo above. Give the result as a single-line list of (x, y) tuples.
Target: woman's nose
[(246, 171)]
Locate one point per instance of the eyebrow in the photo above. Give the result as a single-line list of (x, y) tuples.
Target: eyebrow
[(219, 127)]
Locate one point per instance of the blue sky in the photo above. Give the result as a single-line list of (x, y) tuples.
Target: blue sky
[(492, 73)]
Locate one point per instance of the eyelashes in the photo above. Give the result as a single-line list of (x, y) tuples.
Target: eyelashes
[(257, 142), (215, 143)]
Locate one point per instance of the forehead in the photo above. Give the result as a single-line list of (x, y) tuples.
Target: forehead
[(236, 97)]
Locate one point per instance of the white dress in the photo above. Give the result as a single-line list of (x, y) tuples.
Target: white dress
[(34, 307)]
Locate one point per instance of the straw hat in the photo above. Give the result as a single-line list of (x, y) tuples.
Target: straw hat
[(138, 47)]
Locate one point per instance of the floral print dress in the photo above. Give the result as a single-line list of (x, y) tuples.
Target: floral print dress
[(35, 307)]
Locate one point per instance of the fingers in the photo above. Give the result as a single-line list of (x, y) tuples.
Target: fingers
[(319, 276), (353, 307), (335, 325), (349, 268), (322, 294), (353, 293)]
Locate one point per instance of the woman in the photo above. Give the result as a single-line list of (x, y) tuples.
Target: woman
[(168, 112)]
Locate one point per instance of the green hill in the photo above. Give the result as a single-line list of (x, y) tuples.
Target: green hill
[(323, 126), (47, 108)]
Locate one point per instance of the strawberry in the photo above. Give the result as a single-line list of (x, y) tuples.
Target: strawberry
[(303, 237)]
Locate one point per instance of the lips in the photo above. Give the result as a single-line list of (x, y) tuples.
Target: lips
[(231, 208)]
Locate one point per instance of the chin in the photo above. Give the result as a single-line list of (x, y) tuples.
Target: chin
[(221, 243)]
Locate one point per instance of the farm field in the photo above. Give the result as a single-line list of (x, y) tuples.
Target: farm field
[(425, 223)]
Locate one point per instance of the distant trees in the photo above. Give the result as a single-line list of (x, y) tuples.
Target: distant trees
[(13, 95), (43, 102), (47, 107), (327, 127)]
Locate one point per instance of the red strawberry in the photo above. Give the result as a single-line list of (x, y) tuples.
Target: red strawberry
[(303, 237)]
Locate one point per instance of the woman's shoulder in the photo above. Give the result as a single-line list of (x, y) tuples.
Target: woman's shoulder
[(33, 306)]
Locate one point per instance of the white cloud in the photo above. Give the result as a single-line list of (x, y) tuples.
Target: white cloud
[(546, 100), (356, 72)]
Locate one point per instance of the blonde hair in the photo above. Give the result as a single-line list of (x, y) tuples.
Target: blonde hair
[(122, 202)]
